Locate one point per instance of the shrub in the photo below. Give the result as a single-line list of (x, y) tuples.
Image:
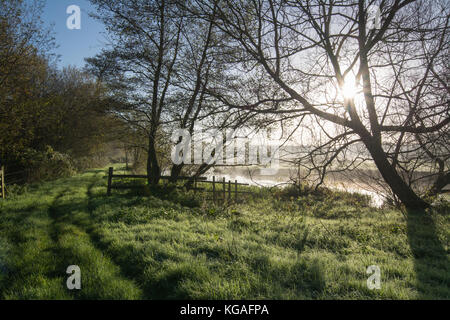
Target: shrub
[(45, 165)]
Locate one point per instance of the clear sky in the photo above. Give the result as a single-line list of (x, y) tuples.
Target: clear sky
[(74, 45)]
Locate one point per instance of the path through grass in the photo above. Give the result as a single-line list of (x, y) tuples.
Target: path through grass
[(43, 233)]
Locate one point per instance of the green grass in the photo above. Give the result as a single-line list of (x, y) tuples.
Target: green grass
[(170, 245)]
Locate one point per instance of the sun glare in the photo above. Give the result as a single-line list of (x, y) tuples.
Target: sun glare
[(349, 89)]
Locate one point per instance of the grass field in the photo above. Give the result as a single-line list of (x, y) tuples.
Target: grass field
[(168, 245)]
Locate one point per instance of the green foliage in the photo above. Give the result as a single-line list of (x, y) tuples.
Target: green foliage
[(44, 165), (42, 106), (441, 205)]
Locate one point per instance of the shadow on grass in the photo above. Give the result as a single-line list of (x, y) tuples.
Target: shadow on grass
[(431, 260)]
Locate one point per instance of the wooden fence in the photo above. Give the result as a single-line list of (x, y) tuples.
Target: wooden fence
[(2, 183), (221, 190), (111, 176)]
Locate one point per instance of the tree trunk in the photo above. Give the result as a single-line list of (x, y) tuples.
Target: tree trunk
[(153, 169), (175, 172), (200, 171), (406, 195)]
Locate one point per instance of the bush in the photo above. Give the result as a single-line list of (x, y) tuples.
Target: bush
[(45, 165), (14, 190), (441, 205)]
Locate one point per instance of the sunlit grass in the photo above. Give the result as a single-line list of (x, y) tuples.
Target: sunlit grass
[(276, 245)]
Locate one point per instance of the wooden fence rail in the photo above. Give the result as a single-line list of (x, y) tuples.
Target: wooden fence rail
[(111, 175), (220, 189), (2, 183), (227, 189)]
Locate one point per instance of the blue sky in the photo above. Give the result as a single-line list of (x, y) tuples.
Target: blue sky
[(74, 45)]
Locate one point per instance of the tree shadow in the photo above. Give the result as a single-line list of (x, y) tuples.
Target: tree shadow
[(431, 261)]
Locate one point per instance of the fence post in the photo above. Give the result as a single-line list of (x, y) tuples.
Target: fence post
[(229, 191), (235, 191), (2, 177), (110, 174), (224, 189), (214, 189)]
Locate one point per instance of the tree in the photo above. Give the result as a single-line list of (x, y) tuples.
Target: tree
[(163, 59), (78, 120), (24, 52), (382, 86), (145, 48), (192, 77)]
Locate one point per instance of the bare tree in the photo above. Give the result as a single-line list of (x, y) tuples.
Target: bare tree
[(381, 84), (195, 71)]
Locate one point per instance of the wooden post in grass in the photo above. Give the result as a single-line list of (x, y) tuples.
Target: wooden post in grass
[(195, 185), (110, 174), (229, 191), (214, 189), (3, 183), (235, 191), (224, 189)]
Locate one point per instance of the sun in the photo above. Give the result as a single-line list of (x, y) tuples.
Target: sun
[(350, 88)]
